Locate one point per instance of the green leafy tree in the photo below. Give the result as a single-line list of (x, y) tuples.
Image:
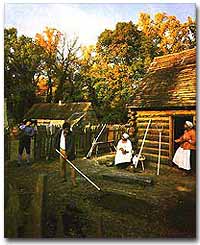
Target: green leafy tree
[(87, 80), (120, 61), (22, 60)]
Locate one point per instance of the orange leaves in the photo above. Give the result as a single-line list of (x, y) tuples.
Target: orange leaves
[(167, 32), (49, 39), (144, 23)]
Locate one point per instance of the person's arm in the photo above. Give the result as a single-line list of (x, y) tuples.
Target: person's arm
[(57, 140), (69, 144), (22, 127), (192, 139), (120, 148), (32, 132), (129, 146), (181, 139)]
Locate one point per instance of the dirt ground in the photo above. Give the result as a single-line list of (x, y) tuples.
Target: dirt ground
[(164, 207)]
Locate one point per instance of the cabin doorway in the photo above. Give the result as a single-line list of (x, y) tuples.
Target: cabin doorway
[(179, 122)]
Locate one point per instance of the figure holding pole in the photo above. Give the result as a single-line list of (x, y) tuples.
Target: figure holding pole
[(64, 140), (75, 168)]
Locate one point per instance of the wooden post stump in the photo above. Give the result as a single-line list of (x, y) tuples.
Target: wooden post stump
[(39, 207)]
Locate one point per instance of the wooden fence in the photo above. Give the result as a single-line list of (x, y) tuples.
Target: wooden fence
[(42, 146)]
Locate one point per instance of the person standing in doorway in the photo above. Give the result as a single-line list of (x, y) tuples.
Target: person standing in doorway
[(185, 156), (64, 142)]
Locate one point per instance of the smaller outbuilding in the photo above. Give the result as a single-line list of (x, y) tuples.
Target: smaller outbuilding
[(77, 113)]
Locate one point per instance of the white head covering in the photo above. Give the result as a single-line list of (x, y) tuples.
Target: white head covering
[(125, 136), (189, 124)]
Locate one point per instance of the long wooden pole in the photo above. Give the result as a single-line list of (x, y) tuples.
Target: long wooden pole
[(94, 142), (159, 152), (82, 174), (141, 148)]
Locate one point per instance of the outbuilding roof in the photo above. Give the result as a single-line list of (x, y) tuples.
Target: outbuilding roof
[(59, 112)]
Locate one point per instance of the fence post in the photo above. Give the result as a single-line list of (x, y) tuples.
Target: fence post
[(12, 214), (39, 207), (7, 142)]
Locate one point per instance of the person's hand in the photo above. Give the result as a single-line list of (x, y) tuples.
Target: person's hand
[(123, 151), (65, 156)]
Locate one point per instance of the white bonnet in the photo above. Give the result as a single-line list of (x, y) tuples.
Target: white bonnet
[(189, 124), (125, 135)]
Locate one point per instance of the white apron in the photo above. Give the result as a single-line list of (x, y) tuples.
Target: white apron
[(123, 158), (182, 158)]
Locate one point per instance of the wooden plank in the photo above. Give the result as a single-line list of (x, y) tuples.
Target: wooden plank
[(153, 125), (154, 137), (171, 137), (161, 118), (40, 206), (12, 215), (154, 158), (152, 131), (150, 114), (150, 150), (154, 144), (128, 178)]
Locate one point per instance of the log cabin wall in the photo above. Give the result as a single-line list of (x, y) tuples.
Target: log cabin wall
[(167, 95), (159, 120)]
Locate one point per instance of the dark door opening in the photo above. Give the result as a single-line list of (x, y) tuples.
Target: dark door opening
[(179, 122)]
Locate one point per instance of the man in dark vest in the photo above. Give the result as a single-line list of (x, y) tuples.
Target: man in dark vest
[(26, 132), (64, 142)]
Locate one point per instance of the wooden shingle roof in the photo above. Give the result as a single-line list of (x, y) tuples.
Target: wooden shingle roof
[(170, 83), (58, 112)]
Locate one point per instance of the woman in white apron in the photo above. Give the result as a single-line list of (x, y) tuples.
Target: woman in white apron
[(124, 152), (183, 155)]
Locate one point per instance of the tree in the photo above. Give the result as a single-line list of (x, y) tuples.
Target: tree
[(67, 70), (49, 40), (21, 71), (167, 33), (87, 63), (121, 58)]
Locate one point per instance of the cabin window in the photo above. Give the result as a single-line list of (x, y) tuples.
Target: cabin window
[(178, 122)]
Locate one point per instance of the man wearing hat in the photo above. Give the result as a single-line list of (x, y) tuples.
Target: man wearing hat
[(185, 156), (124, 152), (25, 135)]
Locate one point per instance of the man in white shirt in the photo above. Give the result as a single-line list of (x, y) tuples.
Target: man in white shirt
[(64, 142)]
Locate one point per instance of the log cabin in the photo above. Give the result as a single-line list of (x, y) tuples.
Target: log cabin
[(167, 96)]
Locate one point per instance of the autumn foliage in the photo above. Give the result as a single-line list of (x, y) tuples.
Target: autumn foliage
[(108, 74)]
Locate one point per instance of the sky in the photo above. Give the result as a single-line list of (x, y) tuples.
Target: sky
[(85, 20)]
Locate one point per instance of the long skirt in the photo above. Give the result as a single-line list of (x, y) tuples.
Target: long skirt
[(121, 158), (182, 158)]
